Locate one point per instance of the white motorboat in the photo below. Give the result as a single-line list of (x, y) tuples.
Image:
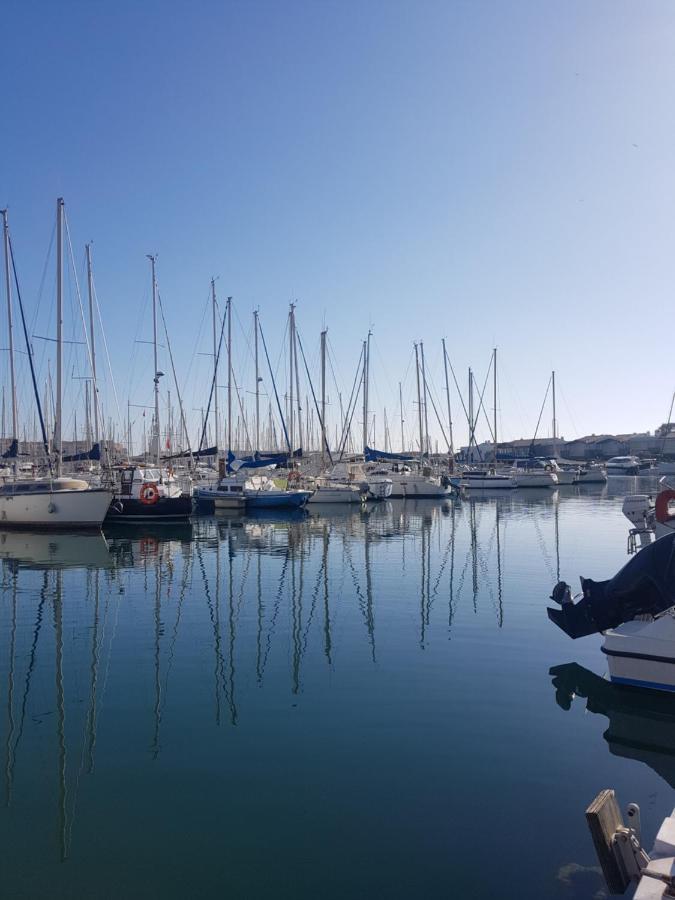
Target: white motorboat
[(53, 503), (635, 613), (623, 465), (228, 493), (260, 491), (566, 475), (148, 494), (533, 473), (593, 473), (487, 480), (642, 653)]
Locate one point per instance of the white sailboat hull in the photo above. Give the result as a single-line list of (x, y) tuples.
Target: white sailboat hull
[(536, 479), (488, 483), (416, 487), (336, 494), (55, 509)]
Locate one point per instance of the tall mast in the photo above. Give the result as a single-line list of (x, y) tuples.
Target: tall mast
[(153, 260), (291, 417), (90, 288), (229, 373), (471, 423), (323, 396), (366, 379), (297, 382), (555, 424), (257, 381), (400, 403), (59, 333), (8, 288), (424, 386), (419, 401), (215, 362), (494, 390), (451, 448)]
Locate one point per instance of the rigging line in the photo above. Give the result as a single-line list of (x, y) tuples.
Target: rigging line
[(274, 385), (213, 384), (43, 279), (670, 415), (29, 350), (175, 377), (324, 430), (481, 406), (199, 337), (346, 428), (107, 353), (243, 414), (541, 412), (96, 398)]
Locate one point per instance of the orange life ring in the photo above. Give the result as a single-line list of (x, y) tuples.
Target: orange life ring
[(149, 494), (661, 508), (293, 476)]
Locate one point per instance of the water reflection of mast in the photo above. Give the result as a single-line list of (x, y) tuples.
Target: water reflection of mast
[(326, 611), (261, 615), (60, 711), (158, 682), (370, 618), (230, 693), (10, 697), (474, 551), (31, 665), (500, 604), (451, 603), (91, 716), (214, 616)]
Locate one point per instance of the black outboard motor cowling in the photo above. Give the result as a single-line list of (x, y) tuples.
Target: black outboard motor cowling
[(645, 585)]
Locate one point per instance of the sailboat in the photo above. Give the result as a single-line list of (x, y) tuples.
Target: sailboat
[(150, 493), (487, 479), (52, 502)]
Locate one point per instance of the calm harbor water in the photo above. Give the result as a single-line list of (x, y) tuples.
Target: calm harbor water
[(341, 704)]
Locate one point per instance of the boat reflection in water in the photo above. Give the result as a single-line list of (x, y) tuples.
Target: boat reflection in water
[(42, 549), (641, 723)]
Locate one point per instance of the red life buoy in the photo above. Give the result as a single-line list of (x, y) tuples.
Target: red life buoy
[(661, 510), (149, 494)]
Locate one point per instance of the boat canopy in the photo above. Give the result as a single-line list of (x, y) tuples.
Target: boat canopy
[(644, 586)]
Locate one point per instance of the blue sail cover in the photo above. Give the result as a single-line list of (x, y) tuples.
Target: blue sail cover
[(12, 451), (93, 454), (373, 455), (257, 461), (197, 454)]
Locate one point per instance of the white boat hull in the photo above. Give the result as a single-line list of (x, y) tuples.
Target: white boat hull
[(488, 483), (416, 488), (381, 490), (335, 495), (55, 509), (536, 479), (642, 654)]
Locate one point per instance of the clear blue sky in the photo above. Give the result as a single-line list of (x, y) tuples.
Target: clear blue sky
[(495, 173)]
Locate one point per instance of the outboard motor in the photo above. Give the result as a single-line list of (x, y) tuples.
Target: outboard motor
[(644, 586)]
